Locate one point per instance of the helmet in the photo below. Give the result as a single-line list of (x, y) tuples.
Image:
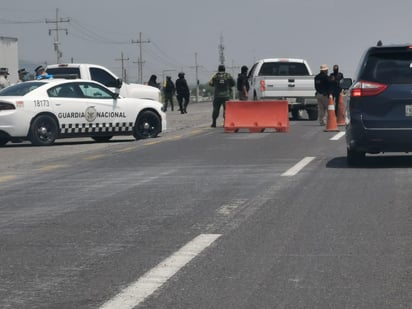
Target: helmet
[(181, 75), (221, 68), (244, 69)]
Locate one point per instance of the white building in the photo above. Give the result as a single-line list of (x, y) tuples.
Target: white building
[(9, 57)]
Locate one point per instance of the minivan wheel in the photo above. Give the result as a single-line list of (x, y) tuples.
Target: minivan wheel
[(354, 158)]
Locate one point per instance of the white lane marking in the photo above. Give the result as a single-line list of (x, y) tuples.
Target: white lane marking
[(337, 136), (138, 291), (300, 165)]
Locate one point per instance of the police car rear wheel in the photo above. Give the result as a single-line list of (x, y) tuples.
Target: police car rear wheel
[(43, 131), (4, 141), (148, 125), (101, 138)]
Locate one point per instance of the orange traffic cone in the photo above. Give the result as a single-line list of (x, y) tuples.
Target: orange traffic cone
[(341, 111), (331, 124)]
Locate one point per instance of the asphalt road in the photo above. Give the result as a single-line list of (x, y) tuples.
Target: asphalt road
[(199, 218)]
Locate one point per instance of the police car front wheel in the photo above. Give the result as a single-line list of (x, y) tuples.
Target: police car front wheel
[(148, 125), (43, 131)]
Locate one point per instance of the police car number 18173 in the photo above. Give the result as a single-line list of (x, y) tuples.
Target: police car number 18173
[(41, 103), (74, 108)]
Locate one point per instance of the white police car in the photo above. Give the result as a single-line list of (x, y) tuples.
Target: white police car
[(42, 111)]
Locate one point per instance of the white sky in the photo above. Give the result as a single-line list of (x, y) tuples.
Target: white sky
[(320, 31)]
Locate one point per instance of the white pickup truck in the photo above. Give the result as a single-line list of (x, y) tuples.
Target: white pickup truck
[(286, 79), (104, 76)]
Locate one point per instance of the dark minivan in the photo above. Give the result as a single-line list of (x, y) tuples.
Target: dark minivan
[(379, 105)]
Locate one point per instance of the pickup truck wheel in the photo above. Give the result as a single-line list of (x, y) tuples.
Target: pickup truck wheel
[(43, 131), (148, 125), (295, 114), (102, 138), (354, 158), (312, 114)]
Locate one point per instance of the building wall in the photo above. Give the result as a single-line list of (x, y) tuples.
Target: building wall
[(9, 57)]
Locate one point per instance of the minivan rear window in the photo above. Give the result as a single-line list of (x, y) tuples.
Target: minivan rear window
[(389, 68)]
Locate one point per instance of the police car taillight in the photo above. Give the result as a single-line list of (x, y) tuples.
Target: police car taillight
[(367, 89)]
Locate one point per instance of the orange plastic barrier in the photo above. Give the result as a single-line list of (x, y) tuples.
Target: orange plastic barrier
[(341, 111), (256, 116), (331, 124)]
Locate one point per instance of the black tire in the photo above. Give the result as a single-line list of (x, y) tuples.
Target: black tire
[(354, 158), (43, 131), (295, 114), (148, 125), (4, 141), (312, 114), (102, 139)]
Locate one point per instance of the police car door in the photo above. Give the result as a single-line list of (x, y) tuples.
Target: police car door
[(85, 109), (105, 113)]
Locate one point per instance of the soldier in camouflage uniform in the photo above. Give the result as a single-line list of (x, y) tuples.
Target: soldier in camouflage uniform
[(223, 83)]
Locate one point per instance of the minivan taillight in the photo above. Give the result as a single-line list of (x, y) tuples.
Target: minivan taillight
[(366, 89)]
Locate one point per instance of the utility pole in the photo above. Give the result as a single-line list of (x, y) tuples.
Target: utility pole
[(57, 29), (196, 67), (221, 51), (140, 59), (197, 79), (122, 59)]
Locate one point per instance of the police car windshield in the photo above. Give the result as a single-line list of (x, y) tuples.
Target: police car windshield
[(20, 89)]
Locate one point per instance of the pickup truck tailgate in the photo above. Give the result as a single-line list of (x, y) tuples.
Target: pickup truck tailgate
[(287, 86)]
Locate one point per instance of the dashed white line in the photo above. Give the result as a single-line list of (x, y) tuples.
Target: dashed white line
[(138, 291), (298, 167), (338, 136)]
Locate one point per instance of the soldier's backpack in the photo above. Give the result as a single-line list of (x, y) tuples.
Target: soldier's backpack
[(221, 82)]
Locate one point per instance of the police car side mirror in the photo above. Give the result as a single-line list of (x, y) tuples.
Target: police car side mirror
[(346, 83), (119, 83), (116, 95)]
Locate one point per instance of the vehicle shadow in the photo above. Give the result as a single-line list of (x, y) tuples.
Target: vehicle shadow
[(71, 142), (374, 162)]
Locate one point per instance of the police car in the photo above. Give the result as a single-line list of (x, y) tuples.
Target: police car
[(43, 110)]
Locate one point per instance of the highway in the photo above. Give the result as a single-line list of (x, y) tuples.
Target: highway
[(199, 218)]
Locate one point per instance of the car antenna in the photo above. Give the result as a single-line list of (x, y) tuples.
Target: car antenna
[(379, 43)]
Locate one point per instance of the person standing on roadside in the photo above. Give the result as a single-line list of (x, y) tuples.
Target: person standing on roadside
[(182, 93), (223, 83), (243, 84), (153, 82), (323, 91), (168, 90), (4, 82), (335, 79), (22, 75)]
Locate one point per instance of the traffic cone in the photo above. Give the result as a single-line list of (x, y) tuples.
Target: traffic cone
[(331, 124), (341, 108)]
